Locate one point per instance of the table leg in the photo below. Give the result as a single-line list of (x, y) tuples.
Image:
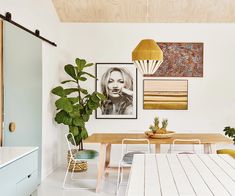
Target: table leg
[(101, 167), (207, 149), (107, 159), (213, 148), (108, 153), (157, 148)]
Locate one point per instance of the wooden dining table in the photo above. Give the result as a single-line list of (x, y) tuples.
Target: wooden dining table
[(105, 140), (182, 174)]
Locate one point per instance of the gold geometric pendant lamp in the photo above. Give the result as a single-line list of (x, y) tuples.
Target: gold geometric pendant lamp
[(147, 56)]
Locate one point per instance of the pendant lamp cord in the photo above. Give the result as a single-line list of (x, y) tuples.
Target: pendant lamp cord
[(147, 10)]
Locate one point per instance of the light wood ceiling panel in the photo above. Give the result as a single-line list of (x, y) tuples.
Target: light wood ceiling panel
[(145, 10)]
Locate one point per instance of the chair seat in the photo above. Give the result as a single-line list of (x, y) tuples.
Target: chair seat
[(230, 152), (86, 154), (128, 157)]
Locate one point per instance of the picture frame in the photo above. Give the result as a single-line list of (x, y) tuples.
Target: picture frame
[(160, 94), (118, 82), (181, 59)]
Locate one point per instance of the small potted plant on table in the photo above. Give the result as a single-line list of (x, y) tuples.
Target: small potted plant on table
[(230, 132), (157, 132)]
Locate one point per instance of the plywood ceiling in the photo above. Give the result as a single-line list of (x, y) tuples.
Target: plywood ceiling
[(169, 11)]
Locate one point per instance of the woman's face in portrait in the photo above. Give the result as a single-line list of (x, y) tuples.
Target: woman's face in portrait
[(115, 84)]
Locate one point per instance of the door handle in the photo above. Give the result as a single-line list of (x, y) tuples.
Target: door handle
[(12, 126)]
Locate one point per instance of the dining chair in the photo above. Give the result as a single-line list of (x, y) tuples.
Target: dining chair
[(230, 152), (184, 146), (76, 156), (130, 147)]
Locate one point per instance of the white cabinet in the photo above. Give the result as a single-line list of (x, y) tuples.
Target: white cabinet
[(19, 173)]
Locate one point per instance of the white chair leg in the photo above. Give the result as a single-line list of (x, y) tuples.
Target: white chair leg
[(73, 171), (121, 174), (70, 188), (118, 179), (66, 174)]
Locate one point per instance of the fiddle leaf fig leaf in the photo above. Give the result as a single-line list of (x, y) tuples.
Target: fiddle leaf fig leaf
[(64, 104), (74, 130), (88, 110), (76, 111), (74, 114), (80, 63), (82, 78), (69, 69), (66, 81), (91, 105), (85, 117), (84, 133), (101, 96), (59, 91), (63, 117), (89, 64), (70, 90), (84, 91), (94, 98), (78, 122), (77, 107), (73, 100), (85, 73)]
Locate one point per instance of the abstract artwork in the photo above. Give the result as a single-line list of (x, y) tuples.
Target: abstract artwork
[(180, 60), (166, 94), (118, 82)]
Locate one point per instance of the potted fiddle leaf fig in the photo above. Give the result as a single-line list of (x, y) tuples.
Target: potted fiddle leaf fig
[(75, 104)]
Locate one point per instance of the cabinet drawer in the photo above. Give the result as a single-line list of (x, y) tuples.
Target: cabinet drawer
[(25, 166), (14, 173), (27, 185), (20, 168)]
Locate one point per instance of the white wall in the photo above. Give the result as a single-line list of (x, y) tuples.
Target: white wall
[(211, 98), (41, 15)]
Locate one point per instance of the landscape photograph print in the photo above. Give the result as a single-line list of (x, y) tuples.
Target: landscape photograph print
[(166, 94)]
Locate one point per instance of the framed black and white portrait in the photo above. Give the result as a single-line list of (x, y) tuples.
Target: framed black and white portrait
[(118, 82)]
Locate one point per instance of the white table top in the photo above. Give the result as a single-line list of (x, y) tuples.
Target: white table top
[(182, 174), (10, 154)]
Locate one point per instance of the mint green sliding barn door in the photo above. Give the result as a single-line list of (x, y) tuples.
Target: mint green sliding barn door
[(22, 83)]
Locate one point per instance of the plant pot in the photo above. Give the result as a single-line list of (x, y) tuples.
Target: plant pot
[(80, 166), (168, 134)]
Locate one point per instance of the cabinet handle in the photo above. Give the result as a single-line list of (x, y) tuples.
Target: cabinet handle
[(29, 175)]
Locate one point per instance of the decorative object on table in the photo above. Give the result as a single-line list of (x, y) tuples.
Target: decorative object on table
[(118, 82), (147, 56), (157, 132), (166, 94), (75, 105), (180, 60), (230, 132)]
